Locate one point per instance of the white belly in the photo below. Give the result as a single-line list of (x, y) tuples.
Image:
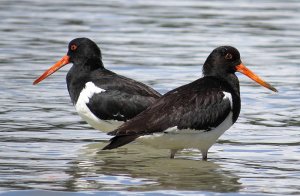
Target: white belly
[(85, 113), (181, 139), (102, 125)]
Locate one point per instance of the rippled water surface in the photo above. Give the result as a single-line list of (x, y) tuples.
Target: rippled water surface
[(46, 147)]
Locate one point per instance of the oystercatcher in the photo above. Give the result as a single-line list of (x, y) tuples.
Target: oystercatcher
[(101, 97), (194, 115)]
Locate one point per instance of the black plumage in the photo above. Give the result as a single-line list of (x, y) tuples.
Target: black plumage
[(122, 98), (202, 105), (199, 105)]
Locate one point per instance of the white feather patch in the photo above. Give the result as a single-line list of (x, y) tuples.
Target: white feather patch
[(229, 97), (89, 90), (85, 113)]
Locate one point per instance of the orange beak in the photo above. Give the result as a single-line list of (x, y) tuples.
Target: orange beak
[(59, 64), (244, 70)]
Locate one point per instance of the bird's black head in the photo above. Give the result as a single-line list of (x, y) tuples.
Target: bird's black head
[(222, 61), (82, 52), (82, 49)]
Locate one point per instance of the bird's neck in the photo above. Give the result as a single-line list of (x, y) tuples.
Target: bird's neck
[(233, 81), (230, 79), (79, 75), (90, 64)]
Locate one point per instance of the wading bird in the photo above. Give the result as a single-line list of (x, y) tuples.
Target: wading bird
[(194, 115), (101, 97)]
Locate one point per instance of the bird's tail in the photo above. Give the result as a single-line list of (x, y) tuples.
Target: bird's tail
[(119, 140)]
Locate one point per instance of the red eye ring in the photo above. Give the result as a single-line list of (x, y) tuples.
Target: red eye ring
[(228, 56), (73, 47)]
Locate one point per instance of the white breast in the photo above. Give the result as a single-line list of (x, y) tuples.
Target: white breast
[(85, 113)]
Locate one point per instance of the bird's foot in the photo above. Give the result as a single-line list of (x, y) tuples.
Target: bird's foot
[(173, 152)]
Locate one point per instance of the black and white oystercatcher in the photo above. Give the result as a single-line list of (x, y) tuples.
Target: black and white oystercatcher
[(194, 115), (102, 98)]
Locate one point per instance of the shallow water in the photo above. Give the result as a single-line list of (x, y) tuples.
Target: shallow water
[(45, 147)]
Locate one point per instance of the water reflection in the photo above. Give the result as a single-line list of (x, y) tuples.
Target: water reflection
[(141, 168)]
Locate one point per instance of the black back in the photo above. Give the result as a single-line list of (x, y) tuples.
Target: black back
[(199, 105)]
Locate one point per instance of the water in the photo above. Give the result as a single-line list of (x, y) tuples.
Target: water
[(45, 147)]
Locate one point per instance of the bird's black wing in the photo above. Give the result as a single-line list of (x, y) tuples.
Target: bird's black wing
[(192, 106), (122, 98)]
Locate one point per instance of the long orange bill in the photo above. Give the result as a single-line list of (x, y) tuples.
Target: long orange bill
[(59, 64), (244, 70)]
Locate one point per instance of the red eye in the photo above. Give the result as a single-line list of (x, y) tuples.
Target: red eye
[(73, 47), (228, 56)]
